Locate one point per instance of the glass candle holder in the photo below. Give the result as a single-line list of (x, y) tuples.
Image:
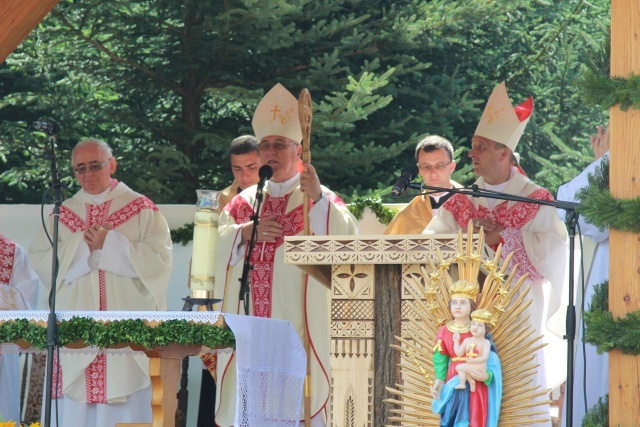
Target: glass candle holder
[(205, 239)]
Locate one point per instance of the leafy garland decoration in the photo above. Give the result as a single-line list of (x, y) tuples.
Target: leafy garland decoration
[(183, 235), (606, 333), (382, 213), (600, 208), (130, 332)]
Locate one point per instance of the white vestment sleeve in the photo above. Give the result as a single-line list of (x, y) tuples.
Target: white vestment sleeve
[(115, 256), (443, 223), (80, 265), (24, 279), (318, 216)]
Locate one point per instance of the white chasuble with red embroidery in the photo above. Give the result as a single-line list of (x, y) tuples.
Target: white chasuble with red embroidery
[(19, 287), (130, 216), (277, 289)]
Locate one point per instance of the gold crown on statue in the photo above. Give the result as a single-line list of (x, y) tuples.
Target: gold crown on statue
[(482, 315), (464, 289)]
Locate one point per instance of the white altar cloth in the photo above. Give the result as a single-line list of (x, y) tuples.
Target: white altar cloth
[(270, 359)]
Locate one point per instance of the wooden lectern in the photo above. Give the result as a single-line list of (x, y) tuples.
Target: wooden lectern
[(368, 277)]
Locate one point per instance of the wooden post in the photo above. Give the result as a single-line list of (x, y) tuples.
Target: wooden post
[(387, 324), (17, 19), (624, 272)]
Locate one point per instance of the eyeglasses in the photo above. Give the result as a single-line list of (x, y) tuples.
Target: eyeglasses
[(438, 167), (277, 145), (94, 167)]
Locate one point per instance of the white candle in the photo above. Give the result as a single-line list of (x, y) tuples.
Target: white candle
[(203, 256)]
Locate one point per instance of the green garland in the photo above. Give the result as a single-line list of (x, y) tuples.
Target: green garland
[(611, 91), (600, 208), (183, 235), (131, 331), (607, 333), (382, 213)]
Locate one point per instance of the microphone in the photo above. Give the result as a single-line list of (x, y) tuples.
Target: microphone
[(406, 176), (265, 173), (50, 127)]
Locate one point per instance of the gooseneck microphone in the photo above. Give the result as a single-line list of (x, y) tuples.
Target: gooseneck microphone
[(406, 176)]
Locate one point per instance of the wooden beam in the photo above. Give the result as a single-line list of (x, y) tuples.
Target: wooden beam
[(624, 289), (17, 19)]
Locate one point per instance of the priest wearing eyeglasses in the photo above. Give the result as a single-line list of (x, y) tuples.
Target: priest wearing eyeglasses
[(434, 155), (278, 290), (114, 251)]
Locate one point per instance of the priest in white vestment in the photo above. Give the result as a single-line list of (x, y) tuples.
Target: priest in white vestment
[(533, 232), (19, 287), (595, 247), (277, 289), (114, 248)]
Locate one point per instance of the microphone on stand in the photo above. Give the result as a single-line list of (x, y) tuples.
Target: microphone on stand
[(50, 127), (265, 173), (406, 176)]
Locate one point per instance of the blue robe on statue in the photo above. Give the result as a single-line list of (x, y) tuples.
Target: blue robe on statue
[(453, 405)]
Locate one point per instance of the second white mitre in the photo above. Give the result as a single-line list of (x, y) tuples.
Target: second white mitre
[(500, 121)]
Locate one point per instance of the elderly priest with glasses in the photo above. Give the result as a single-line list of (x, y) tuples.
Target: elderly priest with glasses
[(114, 249), (279, 290)]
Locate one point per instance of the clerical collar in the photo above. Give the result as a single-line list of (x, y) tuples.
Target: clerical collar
[(456, 327), (98, 198), (280, 189), (438, 200)]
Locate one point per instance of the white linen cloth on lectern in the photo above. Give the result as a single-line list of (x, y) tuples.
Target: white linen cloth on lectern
[(271, 364)]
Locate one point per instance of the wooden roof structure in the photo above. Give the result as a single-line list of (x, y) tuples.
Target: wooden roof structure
[(17, 19)]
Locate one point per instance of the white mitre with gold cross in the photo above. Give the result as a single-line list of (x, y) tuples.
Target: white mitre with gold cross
[(277, 114), (500, 121)]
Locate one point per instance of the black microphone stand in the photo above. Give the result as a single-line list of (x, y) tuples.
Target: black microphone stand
[(247, 267), (52, 325), (571, 220)]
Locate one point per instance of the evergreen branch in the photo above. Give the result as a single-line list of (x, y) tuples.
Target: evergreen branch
[(165, 82), (183, 235), (598, 414), (606, 333)]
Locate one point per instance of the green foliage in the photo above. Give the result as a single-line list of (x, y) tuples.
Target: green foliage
[(600, 208), (607, 333), (598, 414), (131, 332), (382, 213), (169, 84), (182, 235), (600, 298)]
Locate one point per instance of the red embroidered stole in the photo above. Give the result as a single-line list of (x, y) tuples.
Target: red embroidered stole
[(7, 258), (263, 255)]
